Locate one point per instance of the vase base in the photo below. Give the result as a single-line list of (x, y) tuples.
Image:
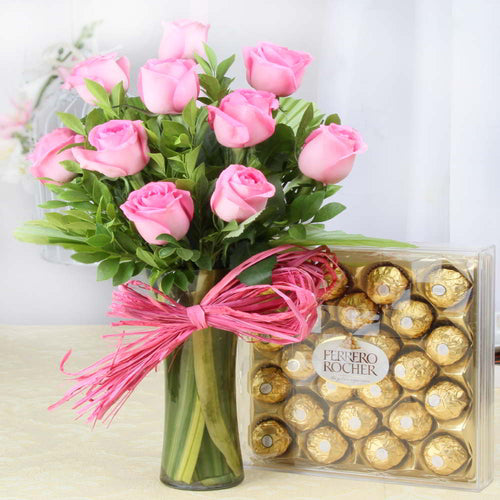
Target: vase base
[(201, 486)]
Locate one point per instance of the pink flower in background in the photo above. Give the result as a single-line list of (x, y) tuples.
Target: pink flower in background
[(122, 149), (106, 70), (243, 118), (240, 192), (166, 86), (275, 69), (45, 157), (329, 152), (16, 121), (159, 208), (182, 39)]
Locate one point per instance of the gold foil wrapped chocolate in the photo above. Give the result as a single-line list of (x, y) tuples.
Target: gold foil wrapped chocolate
[(330, 332), (326, 444), (356, 419), (444, 454), (384, 450), (296, 361), (446, 287), (446, 400), (267, 347), (270, 385), (303, 412), (270, 438), (388, 343), (410, 421), (339, 287), (446, 345), (414, 370), (381, 394), (385, 284), (333, 392), (356, 310), (412, 318)]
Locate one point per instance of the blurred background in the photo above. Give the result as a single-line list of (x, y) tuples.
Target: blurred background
[(418, 78)]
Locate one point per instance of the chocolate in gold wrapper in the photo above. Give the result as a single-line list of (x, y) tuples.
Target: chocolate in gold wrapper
[(356, 310), (356, 419), (410, 421), (267, 347), (388, 343), (270, 438), (333, 392), (303, 412), (446, 345), (331, 331), (326, 444), (414, 370), (270, 385), (384, 450), (339, 287), (446, 400), (296, 361), (444, 454), (386, 284), (381, 394), (446, 287), (412, 318)]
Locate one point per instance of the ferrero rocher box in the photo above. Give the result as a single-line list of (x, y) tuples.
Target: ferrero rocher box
[(396, 381)]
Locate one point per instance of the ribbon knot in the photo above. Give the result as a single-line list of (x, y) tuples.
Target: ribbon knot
[(196, 315)]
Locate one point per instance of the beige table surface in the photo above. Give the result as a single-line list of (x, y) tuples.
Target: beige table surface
[(49, 455)]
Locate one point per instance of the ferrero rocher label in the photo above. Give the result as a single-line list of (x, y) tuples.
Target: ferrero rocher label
[(355, 310), (384, 450), (444, 454), (326, 444), (303, 412), (270, 438), (412, 318), (349, 361), (446, 345), (296, 361), (410, 421), (356, 419), (270, 385), (446, 287), (446, 400), (386, 284), (414, 370)]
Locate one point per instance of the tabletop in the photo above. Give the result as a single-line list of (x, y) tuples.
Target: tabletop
[(49, 455)]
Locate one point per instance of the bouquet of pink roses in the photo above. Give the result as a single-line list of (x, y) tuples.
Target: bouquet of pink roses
[(204, 187)]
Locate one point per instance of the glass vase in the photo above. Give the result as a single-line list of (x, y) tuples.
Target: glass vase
[(201, 449)]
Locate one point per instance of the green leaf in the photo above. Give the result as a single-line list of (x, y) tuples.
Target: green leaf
[(35, 232), (169, 238), (335, 118), (260, 273), (99, 240), (124, 273), (306, 206), (211, 56), (72, 145), (167, 251), (125, 241), (117, 94), (304, 123), (72, 122), (204, 64), (53, 204), (94, 118), (181, 280), (72, 166), (107, 268), (223, 67), (329, 211), (99, 92), (146, 257), (89, 258), (292, 110), (184, 253), (297, 231), (211, 86), (332, 189), (166, 283), (189, 115), (73, 196)]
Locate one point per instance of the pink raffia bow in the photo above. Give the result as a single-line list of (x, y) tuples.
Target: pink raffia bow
[(283, 312)]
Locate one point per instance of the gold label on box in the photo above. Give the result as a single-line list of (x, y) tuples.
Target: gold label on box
[(350, 362)]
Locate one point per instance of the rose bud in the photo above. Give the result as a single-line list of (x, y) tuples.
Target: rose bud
[(329, 152), (240, 192), (122, 149), (276, 69), (46, 159), (105, 70), (159, 208), (243, 118), (166, 86), (183, 39)]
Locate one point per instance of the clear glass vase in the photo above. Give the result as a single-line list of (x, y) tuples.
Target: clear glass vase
[(201, 449)]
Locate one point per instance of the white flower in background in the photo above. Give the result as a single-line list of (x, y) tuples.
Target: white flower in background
[(13, 162)]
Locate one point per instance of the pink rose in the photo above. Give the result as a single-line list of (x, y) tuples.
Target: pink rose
[(105, 70), (166, 86), (183, 39), (46, 159), (243, 118), (276, 69), (240, 192), (159, 208), (122, 149), (329, 152)]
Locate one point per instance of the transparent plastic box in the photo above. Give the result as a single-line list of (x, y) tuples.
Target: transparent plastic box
[(394, 384)]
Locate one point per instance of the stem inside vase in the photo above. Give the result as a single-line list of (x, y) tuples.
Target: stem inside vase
[(201, 448)]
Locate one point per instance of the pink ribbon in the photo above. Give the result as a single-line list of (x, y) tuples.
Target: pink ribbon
[(283, 312)]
